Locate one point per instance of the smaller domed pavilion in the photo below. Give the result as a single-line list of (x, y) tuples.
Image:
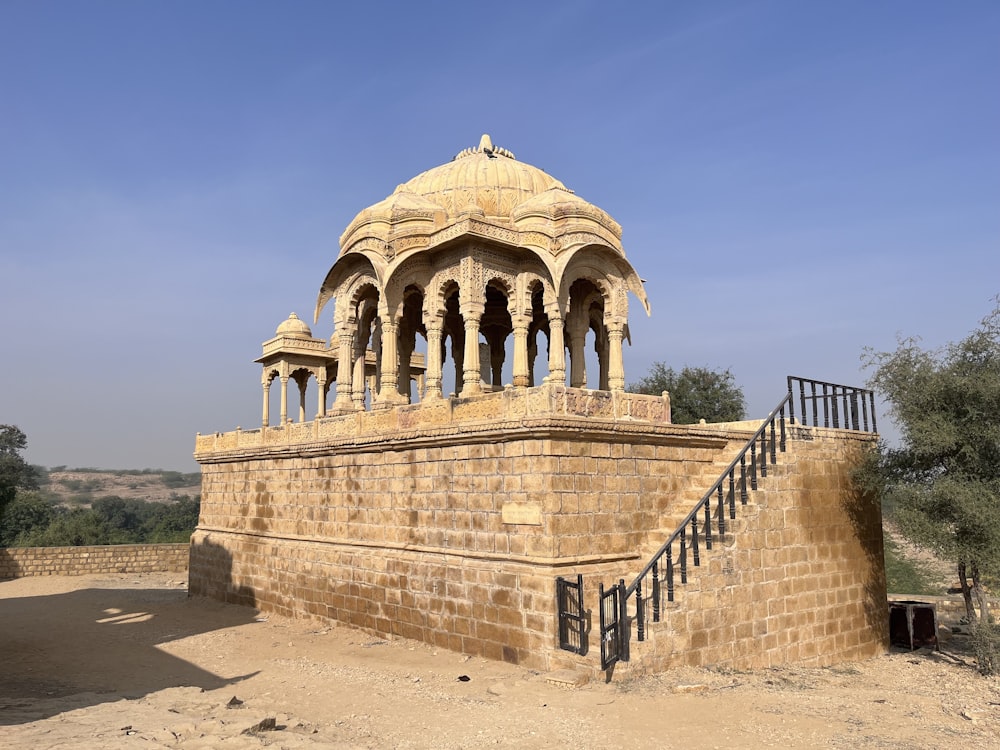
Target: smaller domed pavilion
[(293, 354)]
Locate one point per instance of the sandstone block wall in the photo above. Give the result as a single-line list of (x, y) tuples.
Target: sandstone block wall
[(20, 562), (456, 544), (453, 532), (800, 581)]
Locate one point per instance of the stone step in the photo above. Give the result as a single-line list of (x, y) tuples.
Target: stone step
[(723, 540), (571, 678), (669, 524)]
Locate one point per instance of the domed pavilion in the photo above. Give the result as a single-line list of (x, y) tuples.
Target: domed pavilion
[(474, 456), (489, 261)]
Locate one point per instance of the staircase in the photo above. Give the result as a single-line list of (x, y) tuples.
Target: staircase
[(694, 539), (703, 475)]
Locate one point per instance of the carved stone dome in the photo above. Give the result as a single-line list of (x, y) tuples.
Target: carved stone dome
[(294, 327), (487, 184), (486, 177)]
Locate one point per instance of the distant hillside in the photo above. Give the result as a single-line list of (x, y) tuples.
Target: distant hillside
[(83, 486)]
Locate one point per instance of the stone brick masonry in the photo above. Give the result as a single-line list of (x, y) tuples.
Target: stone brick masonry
[(21, 562), (456, 545), (800, 580), (454, 535)]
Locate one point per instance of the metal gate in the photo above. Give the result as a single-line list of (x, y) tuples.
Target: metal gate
[(572, 621), (614, 641)]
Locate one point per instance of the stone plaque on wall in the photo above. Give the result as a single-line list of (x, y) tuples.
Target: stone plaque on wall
[(527, 514)]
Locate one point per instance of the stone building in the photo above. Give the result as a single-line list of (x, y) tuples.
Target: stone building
[(468, 457)]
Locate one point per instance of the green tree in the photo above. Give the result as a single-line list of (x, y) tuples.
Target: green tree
[(944, 477), (15, 472), (696, 393), (76, 528), (172, 522), (25, 514), (121, 520), (112, 520)]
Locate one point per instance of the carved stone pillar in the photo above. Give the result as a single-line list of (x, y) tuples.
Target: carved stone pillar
[(435, 351), (521, 365), (388, 385), (602, 346), (358, 381), (375, 384), (616, 366), (497, 355), (284, 399), (557, 351), (321, 396), (532, 355), (577, 356), (407, 343), (458, 355), (267, 401), (345, 369), (471, 375), (453, 335), (330, 383)]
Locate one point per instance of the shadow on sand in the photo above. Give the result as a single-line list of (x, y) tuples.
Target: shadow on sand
[(101, 643)]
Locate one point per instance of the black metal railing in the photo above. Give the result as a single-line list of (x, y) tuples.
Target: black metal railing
[(614, 629), (831, 405), (841, 407), (572, 618)]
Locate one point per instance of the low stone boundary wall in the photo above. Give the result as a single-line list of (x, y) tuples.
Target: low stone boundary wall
[(21, 562)]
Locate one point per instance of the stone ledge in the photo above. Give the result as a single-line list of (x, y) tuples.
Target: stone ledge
[(205, 532), (470, 433)]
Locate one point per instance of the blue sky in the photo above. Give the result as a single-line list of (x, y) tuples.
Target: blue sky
[(795, 181)]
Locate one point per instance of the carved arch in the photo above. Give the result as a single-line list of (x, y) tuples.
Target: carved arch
[(346, 267), (443, 284), (413, 272), (598, 261)]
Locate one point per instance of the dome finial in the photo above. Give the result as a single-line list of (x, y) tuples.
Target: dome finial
[(485, 147)]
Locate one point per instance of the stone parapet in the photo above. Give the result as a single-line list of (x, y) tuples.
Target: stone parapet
[(523, 409), (21, 562)]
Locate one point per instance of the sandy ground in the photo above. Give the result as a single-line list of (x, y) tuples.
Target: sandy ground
[(119, 661)]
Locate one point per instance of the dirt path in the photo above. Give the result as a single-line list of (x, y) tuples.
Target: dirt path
[(130, 661)]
